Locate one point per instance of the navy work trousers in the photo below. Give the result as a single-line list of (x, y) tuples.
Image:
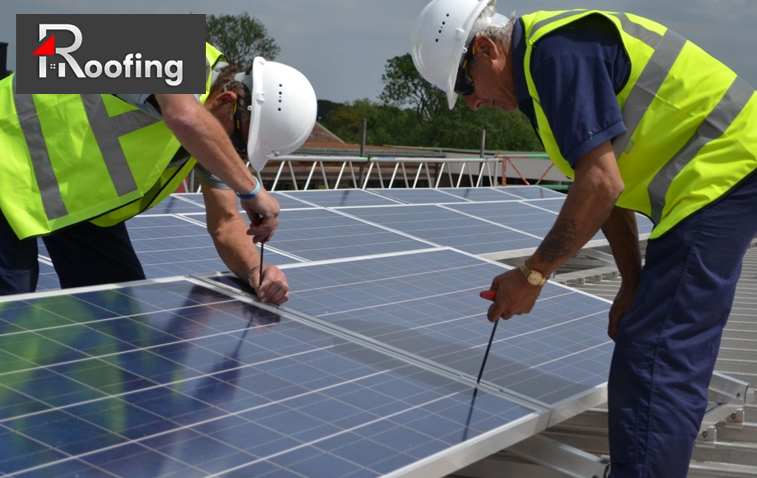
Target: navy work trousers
[(668, 341), (82, 255)]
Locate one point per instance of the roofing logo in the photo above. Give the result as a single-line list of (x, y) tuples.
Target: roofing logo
[(173, 69), (111, 53)]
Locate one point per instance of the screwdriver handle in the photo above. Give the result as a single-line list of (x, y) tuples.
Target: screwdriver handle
[(489, 295)]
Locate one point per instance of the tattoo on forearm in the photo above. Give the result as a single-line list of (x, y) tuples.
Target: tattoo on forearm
[(559, 241)]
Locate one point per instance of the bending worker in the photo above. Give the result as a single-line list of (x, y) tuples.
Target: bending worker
[(645, 121), (75, 167)]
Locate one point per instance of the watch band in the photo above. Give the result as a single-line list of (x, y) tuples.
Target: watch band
[(523, 267)]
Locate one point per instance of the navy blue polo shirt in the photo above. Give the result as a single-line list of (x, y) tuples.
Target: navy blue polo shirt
[(578, 71)]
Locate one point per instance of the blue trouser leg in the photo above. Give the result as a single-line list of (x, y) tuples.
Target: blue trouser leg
[(668, 341), (85, 255), (19, 269), (82, 255)]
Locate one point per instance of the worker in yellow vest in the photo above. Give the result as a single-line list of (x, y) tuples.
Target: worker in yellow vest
[(75, 167), (644, 121)]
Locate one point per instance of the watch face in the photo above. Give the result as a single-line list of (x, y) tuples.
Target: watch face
[(534, 278)]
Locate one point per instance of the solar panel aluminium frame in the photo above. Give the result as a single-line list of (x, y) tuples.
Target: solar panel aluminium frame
[(444, 462), (433, 466), (558, 412)]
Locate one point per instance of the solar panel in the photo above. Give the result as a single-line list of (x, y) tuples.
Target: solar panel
[(479, 194), (171, 379), (286, 202), (448, 228), (319, 234), (530, 192), (427, 304), (529, 217), (48, 279), (340, 198), (169, 246), (420, 196), (178, 203)]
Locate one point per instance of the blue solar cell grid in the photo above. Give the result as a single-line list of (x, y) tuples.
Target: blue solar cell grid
[(174, 379), (480, 194), (319, 234), (178, 203), (419, 196), (286, 202), (530, 192), (427, 304), (531, 217), (447, 228), (169, 246), (340, 198)]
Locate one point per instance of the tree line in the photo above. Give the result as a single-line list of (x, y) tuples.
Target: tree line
[(409, 111)]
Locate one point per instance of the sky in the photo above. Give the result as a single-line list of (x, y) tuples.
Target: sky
[(342, 46)]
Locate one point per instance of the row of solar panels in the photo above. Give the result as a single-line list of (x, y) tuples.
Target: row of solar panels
[(368, 371), (494, 223)]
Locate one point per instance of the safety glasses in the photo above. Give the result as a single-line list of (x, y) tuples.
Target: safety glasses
[(464, 83)]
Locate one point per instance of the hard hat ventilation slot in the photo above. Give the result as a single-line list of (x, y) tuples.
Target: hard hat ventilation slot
[(281, 94), (442, 28)]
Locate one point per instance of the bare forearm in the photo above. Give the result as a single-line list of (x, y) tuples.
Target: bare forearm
[(582, 215), (235, 248), (205, 139), (622, 233), (592, 196)]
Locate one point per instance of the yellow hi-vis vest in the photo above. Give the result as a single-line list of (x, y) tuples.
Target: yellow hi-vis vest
[(71, 158), (691, 121)]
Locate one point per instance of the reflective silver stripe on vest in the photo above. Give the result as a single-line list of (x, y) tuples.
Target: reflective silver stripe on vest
[(644, 91), (638, 31), (569, 13), (714, 126), (131, 121), (52, 201), (207, 68), (107, 139)]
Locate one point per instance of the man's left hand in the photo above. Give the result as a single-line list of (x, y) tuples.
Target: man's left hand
[(274, 289), (515, 296)]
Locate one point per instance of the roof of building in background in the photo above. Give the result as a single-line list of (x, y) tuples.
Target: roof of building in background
[(323, 141)]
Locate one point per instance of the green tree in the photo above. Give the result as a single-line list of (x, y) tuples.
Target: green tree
[(404, 86), (240, 37)]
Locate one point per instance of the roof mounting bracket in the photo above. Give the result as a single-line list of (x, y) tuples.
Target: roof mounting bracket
[(561, 457), (726, 389)]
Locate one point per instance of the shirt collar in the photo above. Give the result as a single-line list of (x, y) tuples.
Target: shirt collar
[(519, 57)]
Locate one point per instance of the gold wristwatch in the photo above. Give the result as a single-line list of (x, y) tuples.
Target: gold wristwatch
[(535, 278)]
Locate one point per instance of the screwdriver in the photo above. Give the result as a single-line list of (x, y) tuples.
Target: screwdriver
[(488, 295)]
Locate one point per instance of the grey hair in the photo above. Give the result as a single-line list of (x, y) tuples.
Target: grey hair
[(500, 34)]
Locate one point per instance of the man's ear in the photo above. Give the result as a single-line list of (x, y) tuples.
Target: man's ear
[(224, 99), (486, 48)]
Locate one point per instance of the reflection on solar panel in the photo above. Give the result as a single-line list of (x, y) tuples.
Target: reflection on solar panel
[(427, 304), (340, 198), (174, 379), (448, 228)]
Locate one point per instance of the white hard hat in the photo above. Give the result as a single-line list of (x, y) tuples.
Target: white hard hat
[(441, 35), (282, 111)]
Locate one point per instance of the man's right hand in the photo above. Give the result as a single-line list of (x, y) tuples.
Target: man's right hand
[(263, 211), (620, 306)]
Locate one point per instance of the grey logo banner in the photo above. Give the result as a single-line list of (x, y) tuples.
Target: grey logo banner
[(77, 54)]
